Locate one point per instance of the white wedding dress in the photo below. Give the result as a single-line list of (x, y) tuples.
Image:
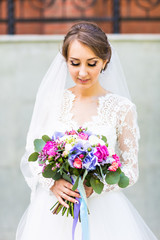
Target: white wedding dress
[(112, 217)]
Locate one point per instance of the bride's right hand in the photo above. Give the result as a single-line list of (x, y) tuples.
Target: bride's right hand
[(63, 191)]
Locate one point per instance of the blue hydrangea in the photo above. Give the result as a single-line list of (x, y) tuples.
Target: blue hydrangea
[(90, 161), (57, 135)]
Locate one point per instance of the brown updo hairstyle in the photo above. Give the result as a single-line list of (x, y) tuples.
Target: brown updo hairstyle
[(92, 36)]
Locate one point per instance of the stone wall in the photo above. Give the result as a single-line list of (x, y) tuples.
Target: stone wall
[(23, 62)]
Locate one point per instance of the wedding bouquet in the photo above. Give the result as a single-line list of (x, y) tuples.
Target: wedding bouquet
[(78, 156)]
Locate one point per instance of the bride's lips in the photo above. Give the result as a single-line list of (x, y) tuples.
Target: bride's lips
[(83, 80)]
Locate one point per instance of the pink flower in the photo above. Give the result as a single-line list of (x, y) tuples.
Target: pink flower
[(77, 163), (81, 156), (113, 167), (43, 167), (72, 132), (52, 152), (58, 165), (48, 146), (83, 136), (102, 153), (116, 158)]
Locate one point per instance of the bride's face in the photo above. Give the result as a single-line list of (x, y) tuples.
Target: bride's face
[(84, 66)]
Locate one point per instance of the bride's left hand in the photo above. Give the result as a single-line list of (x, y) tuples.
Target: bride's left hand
[(89, 191)]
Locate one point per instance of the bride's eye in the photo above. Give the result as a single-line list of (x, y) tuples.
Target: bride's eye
[(74, 64), (93, 64)]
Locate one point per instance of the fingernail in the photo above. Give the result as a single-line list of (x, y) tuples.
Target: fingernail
[(67, 206)]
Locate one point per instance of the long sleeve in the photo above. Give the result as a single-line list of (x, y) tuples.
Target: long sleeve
[(127, 141), (32, 173), (127, 133)]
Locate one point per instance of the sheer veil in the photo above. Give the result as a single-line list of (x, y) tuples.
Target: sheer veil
[(49, 97)]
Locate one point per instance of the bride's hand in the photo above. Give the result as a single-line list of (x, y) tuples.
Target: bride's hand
[(89, 190), (63, 191)]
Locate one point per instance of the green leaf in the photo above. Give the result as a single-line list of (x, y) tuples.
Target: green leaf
[(75, 172), (66, 177), (101, 171), (75, 184), (49, 173), (46, 138), (124, 181), (33, 157), (64, 210), (66, 166), (104, 139), (84, 175), (112, 177), (56, 176), (87, 183), (97, 185), (39, 144)]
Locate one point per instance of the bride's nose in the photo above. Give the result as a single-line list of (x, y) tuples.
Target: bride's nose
[(83, 71)]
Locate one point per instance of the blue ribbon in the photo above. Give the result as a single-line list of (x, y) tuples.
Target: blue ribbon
[(82, 208)]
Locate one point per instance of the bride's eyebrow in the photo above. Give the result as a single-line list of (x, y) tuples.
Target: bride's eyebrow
[(87, 59)]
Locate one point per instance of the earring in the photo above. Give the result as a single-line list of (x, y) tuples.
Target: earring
[(102, 71)]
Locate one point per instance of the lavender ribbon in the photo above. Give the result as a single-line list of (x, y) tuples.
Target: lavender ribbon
[(76, 214)]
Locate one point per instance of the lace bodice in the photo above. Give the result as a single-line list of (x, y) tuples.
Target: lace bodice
[(116, 119)]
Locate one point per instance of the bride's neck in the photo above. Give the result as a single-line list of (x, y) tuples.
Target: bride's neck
[(93, 91)]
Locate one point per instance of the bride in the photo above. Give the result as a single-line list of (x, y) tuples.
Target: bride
[(100, 101)]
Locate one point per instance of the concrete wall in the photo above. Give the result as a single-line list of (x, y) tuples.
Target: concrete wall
[(23, 62)]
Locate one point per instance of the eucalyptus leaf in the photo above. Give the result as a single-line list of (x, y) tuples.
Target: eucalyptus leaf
[(97, 185), (84, 175), (33, 157), (102, 175), (112, 177), (75, 184), (48, 172), (87, 183), (39, 144), (56, 176), (66, 166), (124, 181), (46, 138), (104, 139), (66, 177)]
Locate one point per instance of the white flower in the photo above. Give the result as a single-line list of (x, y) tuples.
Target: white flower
[(111, 151), (94, 140), (68, 147), (69, 138), (65, 153)]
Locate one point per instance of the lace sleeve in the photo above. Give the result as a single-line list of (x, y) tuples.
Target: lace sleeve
[(128, 136), (127, 139), (32, 173)]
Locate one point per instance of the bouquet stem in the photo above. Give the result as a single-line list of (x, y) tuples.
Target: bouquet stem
[(57, 207)]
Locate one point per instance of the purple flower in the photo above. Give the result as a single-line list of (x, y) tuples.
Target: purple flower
[(89, 133), (75, 152), (109, 160), (90, 161), (57, 135)]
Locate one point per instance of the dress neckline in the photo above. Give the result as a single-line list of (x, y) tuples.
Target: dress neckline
[(93, 118)]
